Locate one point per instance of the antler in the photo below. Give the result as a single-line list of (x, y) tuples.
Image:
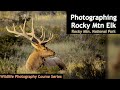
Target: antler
[(31, 35)]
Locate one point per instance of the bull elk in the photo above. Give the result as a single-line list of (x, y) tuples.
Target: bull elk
[(41, 52)]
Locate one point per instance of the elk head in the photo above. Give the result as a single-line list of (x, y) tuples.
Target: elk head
[(36, 42)]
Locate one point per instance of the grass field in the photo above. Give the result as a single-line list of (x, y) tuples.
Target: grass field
[(77, 53)]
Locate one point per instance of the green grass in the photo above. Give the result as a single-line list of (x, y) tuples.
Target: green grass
[(7, 67)]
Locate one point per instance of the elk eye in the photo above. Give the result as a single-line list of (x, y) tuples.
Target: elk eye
[(44, 49)]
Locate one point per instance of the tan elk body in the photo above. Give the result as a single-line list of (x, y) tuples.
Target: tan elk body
[(37, 57)]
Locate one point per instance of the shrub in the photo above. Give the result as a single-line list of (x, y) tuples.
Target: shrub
[(86, 70), (7, 67)]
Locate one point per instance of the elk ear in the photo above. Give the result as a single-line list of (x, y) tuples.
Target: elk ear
[(35, 45)]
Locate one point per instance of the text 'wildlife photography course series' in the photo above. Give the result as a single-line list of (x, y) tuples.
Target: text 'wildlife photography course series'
[(36, 43)]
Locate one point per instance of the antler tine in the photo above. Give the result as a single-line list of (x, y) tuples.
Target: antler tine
[(31, 35), (42, 32), (14, 27), (9, 29), (24, 26), (43, 37), (33, 32), (18, 33), (50, 38), (14, 31)]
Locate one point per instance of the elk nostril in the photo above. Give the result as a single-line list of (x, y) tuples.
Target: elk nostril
[(53, 53)]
